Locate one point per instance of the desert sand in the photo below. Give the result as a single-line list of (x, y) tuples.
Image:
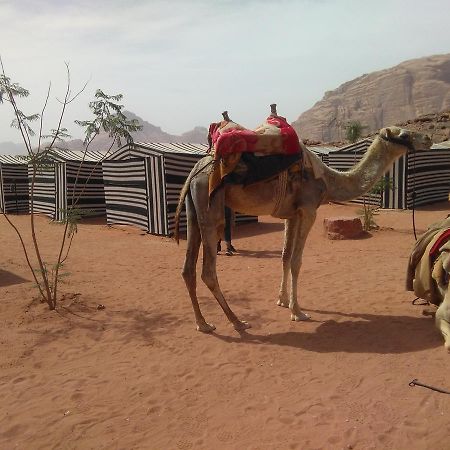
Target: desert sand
[(137, 375)]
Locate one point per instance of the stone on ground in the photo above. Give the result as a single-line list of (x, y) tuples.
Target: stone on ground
[(343, 227)]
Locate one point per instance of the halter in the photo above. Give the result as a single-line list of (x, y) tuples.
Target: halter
[(399, 141)]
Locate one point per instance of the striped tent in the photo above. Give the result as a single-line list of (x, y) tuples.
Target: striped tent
[(417, 179), (323, 152), (13, 184), (143, 183), (55, 180)]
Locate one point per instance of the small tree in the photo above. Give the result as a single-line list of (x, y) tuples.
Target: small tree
[(353, 130), (369, 211), (108, 117)]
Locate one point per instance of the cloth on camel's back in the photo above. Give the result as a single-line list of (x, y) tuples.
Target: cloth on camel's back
[(425, 253), (268, 150)]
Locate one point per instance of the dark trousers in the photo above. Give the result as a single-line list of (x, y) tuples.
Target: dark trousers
[(227, 231)]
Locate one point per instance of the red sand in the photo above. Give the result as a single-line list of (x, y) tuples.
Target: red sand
[(136, 375)]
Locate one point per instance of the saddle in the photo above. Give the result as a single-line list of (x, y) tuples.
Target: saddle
[(245, 156), (427, 250)]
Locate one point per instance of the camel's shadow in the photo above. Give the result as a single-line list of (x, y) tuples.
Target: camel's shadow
[(373, 333), (258, 253)]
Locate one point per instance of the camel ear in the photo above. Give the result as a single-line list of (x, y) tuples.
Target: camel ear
[(388, 132)]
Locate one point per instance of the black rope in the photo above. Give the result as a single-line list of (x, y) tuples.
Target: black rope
[(416, 382), (424, 302), (414, 199)]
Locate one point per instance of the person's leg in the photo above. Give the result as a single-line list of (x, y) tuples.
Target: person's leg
[(227, 232)]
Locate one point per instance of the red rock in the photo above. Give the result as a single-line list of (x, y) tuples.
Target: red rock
[(343, 227)]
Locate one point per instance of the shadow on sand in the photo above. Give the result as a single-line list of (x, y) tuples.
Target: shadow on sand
[(372, 333), (9, 278)]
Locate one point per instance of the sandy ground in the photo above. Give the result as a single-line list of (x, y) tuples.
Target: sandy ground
[(136, 375)]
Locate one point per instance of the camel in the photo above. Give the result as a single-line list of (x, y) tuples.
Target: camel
[(303, 195), (428, 274)]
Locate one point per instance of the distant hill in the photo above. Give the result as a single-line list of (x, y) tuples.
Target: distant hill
[(401, 93), (149, 133), (9, 148)]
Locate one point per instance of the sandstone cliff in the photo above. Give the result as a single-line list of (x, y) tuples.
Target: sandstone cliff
[(401, 93)]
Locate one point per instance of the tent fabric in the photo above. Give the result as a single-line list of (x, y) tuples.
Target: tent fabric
[(418, 179), (54, 189), (14, 195), (143, 182)]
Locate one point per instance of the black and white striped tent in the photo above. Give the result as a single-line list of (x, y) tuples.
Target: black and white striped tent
[(13, 184), (417, 179), (323, 151), (55, 181), (143, 183)]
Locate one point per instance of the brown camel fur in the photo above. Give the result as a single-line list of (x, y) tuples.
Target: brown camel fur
[(304, 194)]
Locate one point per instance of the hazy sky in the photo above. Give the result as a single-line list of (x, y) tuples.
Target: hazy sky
[(179, 64)]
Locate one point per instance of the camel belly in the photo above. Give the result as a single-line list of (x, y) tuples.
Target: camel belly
[(256, 200)]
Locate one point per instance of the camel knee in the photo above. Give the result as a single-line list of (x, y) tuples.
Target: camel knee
[(209, 279), (189, 273), (286, 257), (443, 322)]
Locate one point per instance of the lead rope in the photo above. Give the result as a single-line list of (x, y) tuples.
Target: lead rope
[(414, 196), (416, 382)]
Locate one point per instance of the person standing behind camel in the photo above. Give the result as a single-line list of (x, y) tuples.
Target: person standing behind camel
[(227, 233)]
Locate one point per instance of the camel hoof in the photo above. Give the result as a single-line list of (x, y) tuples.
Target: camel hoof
[(205, 327), (282, 303), (241, 325), (302, 317)]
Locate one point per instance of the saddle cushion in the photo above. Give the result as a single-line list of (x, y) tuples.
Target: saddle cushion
[(229, 140), (274, 136)]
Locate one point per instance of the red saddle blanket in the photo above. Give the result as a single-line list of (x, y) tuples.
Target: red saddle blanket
[(443, 238), (274, 136)]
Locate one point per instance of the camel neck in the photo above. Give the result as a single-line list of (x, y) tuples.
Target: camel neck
[(345, 186)]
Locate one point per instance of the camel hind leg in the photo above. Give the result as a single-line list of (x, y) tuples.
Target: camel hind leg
[(190, 264), (306, 221), (209, 277), (290, 233), (210, 219)]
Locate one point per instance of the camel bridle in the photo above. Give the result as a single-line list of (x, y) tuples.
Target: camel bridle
[(400, 141)]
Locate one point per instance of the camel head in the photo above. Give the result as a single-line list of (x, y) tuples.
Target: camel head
[(412, 140)]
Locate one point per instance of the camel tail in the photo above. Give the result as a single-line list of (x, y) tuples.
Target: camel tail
[(184, 191)]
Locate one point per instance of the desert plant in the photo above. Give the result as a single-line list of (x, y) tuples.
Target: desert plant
[(108, 117), (353, 130), (368, 211)]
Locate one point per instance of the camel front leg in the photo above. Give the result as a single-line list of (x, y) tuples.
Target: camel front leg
[(305, 224), (209, 276), (290, 233), (440, 275), (190, 265), (442, 319)]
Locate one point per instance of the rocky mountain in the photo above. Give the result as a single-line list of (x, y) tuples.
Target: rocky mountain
[(401, 93), (149, 133)]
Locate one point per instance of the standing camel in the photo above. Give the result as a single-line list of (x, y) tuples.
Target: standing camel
[(303, 195)]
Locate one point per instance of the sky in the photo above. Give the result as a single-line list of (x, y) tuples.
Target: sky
[(179, 64)]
